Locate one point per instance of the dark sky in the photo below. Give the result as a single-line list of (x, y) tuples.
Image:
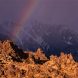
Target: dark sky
[(9, 9), (59, 12), (47, 11), (51, 11)]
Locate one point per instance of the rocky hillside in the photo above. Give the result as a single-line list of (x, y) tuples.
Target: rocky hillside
[(16, 63)]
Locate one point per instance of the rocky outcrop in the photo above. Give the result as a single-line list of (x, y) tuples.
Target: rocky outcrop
[(16, 63)]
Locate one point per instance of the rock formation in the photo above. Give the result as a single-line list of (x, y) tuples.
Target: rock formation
[(16, 63)]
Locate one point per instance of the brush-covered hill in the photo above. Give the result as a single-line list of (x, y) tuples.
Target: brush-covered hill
[(16, 63)]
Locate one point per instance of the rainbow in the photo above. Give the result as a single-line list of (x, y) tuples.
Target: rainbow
[(24, 16)]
